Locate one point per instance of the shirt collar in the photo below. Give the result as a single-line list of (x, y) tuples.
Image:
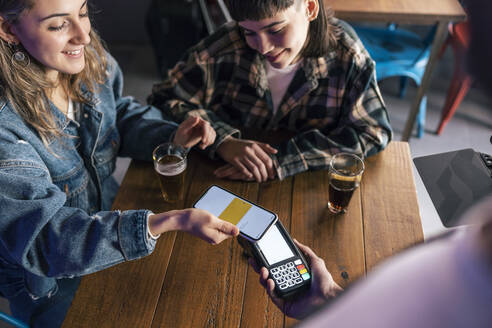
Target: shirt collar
[(314, 69)]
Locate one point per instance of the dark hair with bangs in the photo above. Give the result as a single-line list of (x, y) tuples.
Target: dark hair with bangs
[(321, 35)]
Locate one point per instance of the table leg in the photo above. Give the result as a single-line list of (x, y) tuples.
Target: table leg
[(441, 34)]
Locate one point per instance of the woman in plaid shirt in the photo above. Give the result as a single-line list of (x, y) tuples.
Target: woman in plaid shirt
[(284, 65)]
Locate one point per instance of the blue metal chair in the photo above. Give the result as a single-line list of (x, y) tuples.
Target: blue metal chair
[(399, 52), (13, 321)]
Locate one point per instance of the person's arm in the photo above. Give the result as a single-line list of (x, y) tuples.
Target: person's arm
[(49, 239), (197, 222), (143, 127), (363, 128), (186, 92), (323, 288), (248, 160), (194, 131)]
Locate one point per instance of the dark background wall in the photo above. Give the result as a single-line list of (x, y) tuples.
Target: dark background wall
[(121, 21)]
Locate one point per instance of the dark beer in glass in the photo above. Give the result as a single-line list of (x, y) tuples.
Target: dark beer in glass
[(345, 175)]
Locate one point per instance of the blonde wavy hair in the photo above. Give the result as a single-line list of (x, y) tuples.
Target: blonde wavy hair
[(25, 87)]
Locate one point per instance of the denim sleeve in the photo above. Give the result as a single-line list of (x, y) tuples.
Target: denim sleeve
[(141, 127), (40, 234)]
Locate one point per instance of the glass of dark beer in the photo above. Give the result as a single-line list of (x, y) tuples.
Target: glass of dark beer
[(345, 175), (170, 166)]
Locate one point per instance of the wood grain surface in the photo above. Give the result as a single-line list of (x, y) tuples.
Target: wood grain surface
[(401, 11), (189, 283)]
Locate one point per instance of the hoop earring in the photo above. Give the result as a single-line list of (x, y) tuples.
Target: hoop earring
[(19, 57)]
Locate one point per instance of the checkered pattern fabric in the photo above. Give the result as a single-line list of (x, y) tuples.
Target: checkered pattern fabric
[(333, 103)]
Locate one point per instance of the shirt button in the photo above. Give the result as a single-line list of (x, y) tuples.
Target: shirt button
[(86, 115)]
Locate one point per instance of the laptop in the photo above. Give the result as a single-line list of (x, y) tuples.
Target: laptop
[(455, 180)]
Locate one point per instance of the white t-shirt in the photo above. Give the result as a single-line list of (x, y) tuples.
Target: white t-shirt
[(70, 112), (279, 80)]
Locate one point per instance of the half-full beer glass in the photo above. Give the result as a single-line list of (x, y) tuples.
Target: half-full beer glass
[(170, 166), (345, 175)]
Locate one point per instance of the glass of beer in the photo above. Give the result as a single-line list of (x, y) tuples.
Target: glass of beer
[(345, 175), (170, 166)]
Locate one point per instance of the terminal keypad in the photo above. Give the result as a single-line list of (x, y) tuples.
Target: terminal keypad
[(289, 274)]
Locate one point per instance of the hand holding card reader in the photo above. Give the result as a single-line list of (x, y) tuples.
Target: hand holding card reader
[(284, 261), (263, 237)]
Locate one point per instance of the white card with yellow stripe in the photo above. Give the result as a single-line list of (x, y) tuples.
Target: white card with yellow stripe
[(252, 220)]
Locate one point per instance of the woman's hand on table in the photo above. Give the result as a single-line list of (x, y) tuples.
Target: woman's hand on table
[(231, 172), (194, 130), (322, 289), (200, 223), (251, 160)]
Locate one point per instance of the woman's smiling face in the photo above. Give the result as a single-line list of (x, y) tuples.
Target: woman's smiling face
[(55, 33), (282, 37)]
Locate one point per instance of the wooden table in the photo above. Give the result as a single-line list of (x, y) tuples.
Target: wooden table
[(422, 12), (189, 283)]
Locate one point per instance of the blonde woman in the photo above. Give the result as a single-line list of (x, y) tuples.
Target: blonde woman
[(63, 121)]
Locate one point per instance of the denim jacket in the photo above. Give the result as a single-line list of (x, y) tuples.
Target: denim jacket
[(55, 217)]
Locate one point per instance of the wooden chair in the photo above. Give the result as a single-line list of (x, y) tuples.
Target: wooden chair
[(399, 52), (459, 39)]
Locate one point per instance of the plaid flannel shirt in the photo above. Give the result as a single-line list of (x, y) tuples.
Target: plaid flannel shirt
[(333, 103)]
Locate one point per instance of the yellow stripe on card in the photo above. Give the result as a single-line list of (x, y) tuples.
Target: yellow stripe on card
[(235, 211)]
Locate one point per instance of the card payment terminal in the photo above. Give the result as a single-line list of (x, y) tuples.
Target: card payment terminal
[(285, 263)]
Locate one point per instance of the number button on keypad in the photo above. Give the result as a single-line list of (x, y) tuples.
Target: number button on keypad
[(289, 274)]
